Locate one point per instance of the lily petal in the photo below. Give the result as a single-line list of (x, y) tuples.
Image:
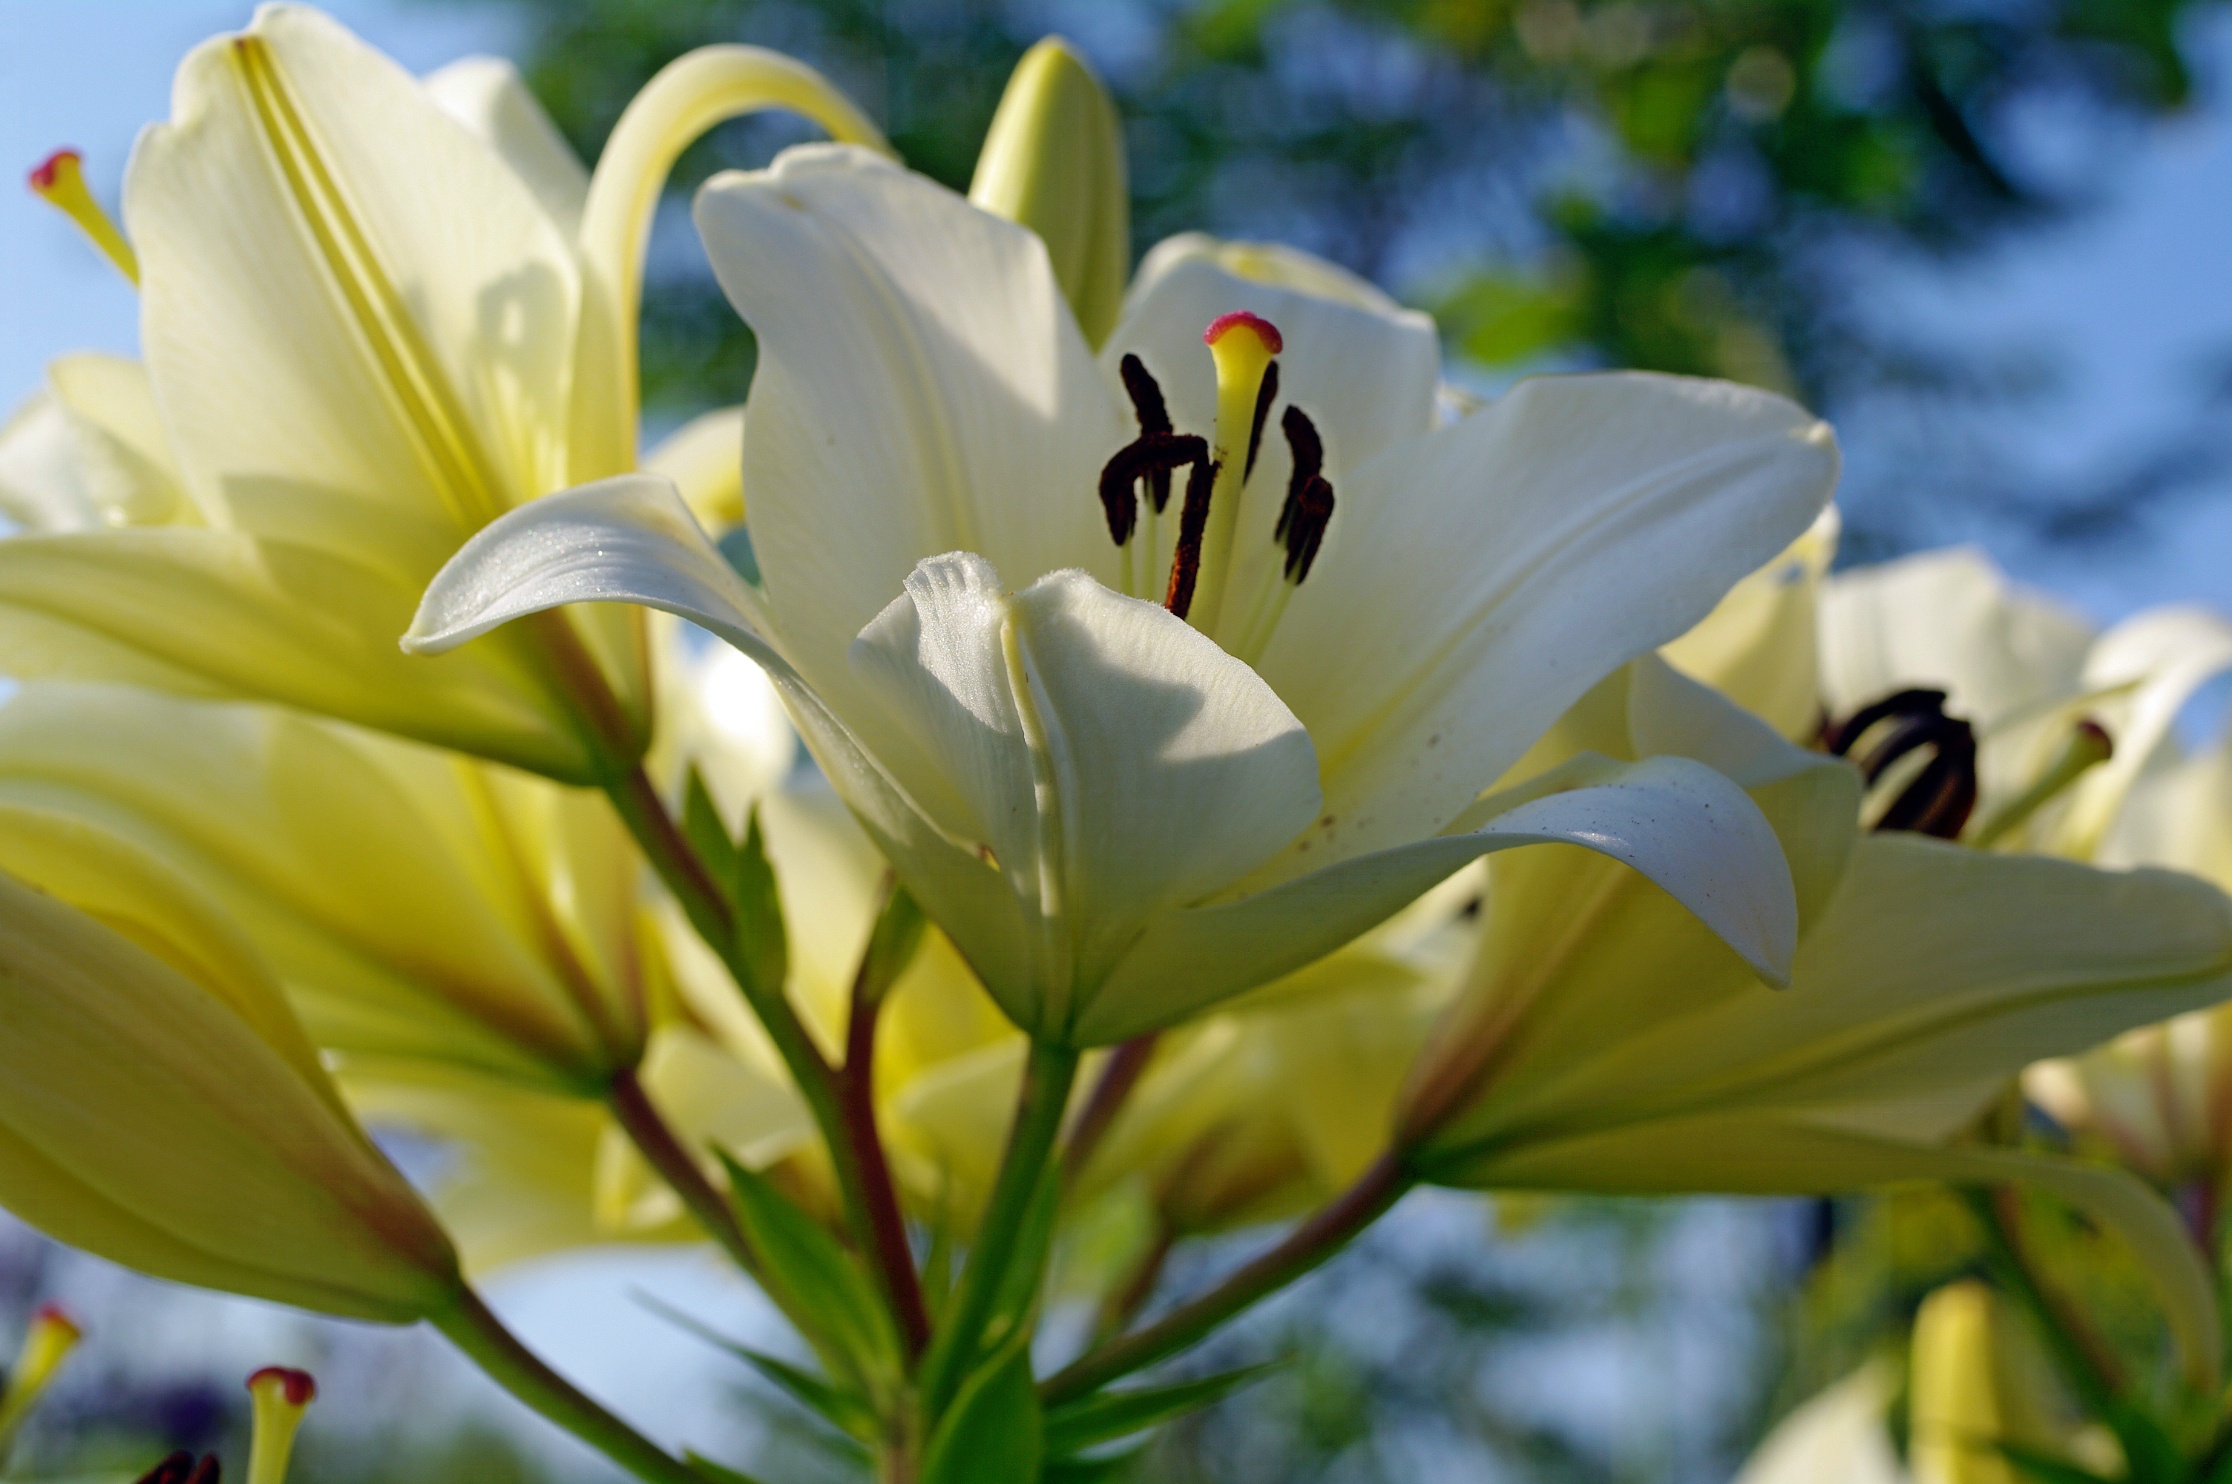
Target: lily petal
[(921, 388), (2161, 657), (359, 322), (1117, 762), (488, 96), (1676, 821), (1476, 582)]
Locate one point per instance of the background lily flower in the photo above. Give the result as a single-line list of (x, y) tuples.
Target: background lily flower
[(161, 1107), (364, 304), (419, 907), (1158, 816), (1606, 1042)]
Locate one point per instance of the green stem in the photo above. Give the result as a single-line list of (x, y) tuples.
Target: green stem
[(1125, 1066), (482, 1336), (2083, 1356), (1047, 1079), (1308, 1245), (668, 850), (632, 1108)]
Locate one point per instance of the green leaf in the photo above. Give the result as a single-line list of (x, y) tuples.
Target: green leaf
[(818, 1278), (2150, 1455), (891, 945), (993, 1433), (846, 1410), (762, 953), (708, 836), (1108, 1415), (1089, 1470), (717, 1473)]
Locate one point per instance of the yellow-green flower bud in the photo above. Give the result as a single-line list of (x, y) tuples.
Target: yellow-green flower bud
[(1054, 161), (160, 1107)]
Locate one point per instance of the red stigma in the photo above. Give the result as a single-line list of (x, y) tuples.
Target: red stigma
[(55, 1314), (42, 178), (297, 1386), (1265, 331)]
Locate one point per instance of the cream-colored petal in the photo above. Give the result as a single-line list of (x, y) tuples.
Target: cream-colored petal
[(209, 612), (1950, 620), (921, 388), (1476, 582), (1675, 821), (142, 1119), (488, 96), (1838, 1437), (419, 907), (1760, 646), (1116, 762), (89, 452), (2155, 660), (359, 321), (705, 459)]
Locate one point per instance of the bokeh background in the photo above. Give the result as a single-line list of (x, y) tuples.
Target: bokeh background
[(1986, 237)]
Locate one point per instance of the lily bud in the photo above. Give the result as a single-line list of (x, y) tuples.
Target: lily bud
[(1054, 161), (48, 1341), (160, 1107)]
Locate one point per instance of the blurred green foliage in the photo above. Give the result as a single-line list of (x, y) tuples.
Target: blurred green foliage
[(1655, 183)]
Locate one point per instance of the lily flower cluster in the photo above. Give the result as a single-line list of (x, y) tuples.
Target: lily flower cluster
[(1135, 761)]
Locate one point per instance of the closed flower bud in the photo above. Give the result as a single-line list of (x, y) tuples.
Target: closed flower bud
[(160, 1107), (1054, 161)]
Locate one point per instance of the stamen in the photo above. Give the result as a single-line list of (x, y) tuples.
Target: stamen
[(1154, 417), (1151, 456), (180, 1468), (60, 181), (1264, 398), (2087, 747), (1242, 344), (1301, 530), (1941, 796), (1193, 520), (281, 1396)]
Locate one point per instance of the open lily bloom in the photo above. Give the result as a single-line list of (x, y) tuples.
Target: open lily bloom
[(1605, 1042), (161, 1107), (1126, 795), (2023, 672), (376, 315), (419, 907)]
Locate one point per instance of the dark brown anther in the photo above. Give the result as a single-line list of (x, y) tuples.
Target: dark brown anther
[(1266, 394), (1149, 456), (1193, 522), (1154, 417), (1941, 797), (181, 1468), (1309, 511), (1308, 450)]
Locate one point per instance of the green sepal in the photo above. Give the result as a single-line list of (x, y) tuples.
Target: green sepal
[(994, 1431), (1108, 1415), (762, 953), (891, 944), (847, 1411), (818, 1277)]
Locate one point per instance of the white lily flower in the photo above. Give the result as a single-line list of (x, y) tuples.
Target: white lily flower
[(1118, 816), (376, 313)]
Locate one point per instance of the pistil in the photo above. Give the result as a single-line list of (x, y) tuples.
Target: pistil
[(60, 182), (1242, 344)]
